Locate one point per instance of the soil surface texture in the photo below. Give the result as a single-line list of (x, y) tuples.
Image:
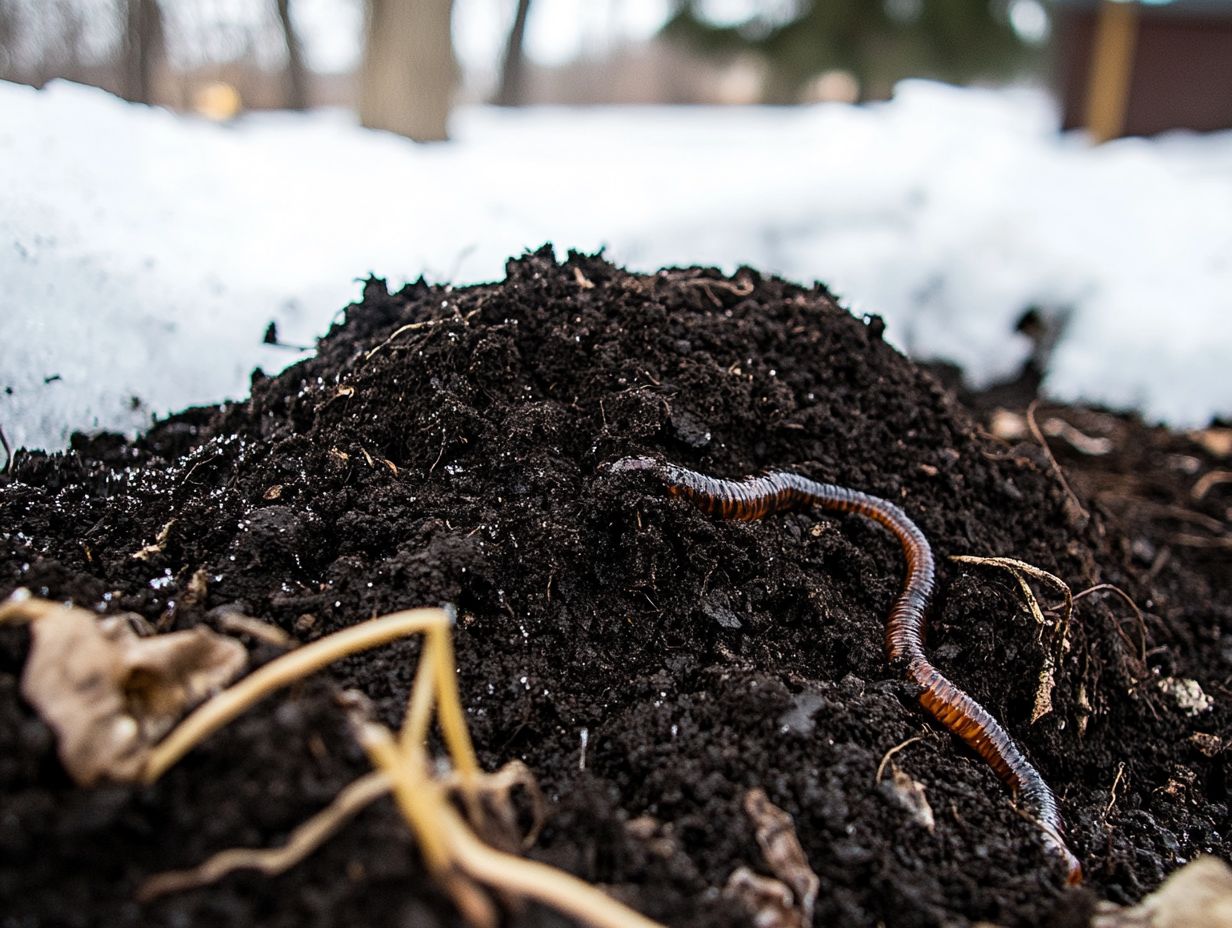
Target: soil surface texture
[(650, 664)]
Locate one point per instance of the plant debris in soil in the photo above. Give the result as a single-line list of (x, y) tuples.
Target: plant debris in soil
[(653, 667)]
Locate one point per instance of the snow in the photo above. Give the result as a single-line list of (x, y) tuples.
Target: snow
[(143, 254)]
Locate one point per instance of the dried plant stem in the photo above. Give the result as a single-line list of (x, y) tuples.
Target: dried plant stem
[(1020, 570), (529, 878), (455, 856), (449, 713), (287, 669), (419, 798), (427, 812)]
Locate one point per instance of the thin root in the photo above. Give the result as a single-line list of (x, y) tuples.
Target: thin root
[(1116, 781), (273, 861), (1111, 588), (416, 326), (885, 758), (500, 786), (1071, 496)]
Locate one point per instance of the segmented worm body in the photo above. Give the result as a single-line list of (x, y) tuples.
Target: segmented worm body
[(755, 497)]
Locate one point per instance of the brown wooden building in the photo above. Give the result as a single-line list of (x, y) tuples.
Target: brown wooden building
[(1176, 57)]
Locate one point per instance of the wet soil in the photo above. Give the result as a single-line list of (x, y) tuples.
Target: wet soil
[(650, 664)]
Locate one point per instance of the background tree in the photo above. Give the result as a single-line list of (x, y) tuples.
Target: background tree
[(408, 72), (297, 74), (877, 41), (143, 49), (512, 90)]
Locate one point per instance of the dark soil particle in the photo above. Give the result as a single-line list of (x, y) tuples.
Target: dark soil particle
[(649, 664)]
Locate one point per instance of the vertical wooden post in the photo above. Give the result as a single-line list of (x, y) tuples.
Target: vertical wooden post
[(1112, 68)]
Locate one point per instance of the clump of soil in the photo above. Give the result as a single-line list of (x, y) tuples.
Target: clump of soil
[(650, 665)]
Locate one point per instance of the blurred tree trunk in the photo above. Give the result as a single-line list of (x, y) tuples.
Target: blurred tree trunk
[(512, 90), (143, 49), (8, 36), (407, 77), (297, 75)]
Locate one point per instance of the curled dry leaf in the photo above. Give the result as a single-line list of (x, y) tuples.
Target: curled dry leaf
[(780, 846), (150, 551), (909, 794), (109, 694), (1199, 895), (768, 901)]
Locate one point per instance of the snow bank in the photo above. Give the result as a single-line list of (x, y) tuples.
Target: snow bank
[(142, 254)]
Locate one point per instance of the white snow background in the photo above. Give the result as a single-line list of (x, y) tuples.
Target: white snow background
[(143, 254)]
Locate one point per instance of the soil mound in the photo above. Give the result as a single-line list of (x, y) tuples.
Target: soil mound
[(650, 664)]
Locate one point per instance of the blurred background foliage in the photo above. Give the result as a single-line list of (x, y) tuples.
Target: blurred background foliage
[(875, 43), (293, 53), (402, 64)]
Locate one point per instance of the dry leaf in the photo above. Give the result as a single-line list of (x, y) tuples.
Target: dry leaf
[(1207, 744), (109, 694), (768, 901), (909, 793), (160, 543), (776, 836), (1199, 895)]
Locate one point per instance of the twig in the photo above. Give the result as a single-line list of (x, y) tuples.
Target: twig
[(1056, 468)]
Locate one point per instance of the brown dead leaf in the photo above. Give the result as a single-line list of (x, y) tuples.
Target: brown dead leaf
[(1207, 744), (1199, 895), (109, 694), (768, 901), (150, 551), (909, 794), (776, 836)]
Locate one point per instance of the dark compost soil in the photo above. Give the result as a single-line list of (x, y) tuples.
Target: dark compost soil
[(463, 463)]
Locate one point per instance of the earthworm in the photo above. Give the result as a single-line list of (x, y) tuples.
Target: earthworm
[(754, 497)]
